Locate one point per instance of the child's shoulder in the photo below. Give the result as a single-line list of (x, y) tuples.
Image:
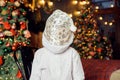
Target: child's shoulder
[(74, 51), (40, 51)]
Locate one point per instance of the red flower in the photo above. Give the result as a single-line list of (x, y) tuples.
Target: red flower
[(13, 32), (19, 75), (92, 53), (6, 25), (23, 25), (99, 50), (1, 60)]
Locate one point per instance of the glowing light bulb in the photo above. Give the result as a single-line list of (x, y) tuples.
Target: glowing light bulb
[(77, 13), (82, 2), (97, 7), (110, 24), (50, 3), (70, 15), (100, 18), (74, 2), (106, 23), (111, 5)]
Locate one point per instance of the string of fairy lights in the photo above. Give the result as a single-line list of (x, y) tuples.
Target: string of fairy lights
[(34, 5), (37, 4), (106, 21)]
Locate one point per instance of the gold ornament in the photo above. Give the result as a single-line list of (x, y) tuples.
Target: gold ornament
[(4, 12), (17, 4)]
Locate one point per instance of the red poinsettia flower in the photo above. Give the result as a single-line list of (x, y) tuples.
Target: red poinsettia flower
[(6, 25), (19, 75)]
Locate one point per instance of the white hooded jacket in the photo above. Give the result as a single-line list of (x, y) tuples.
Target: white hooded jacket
[(57, 62)]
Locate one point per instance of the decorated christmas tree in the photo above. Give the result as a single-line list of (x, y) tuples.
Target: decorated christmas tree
[(89, 41), (13, 35)]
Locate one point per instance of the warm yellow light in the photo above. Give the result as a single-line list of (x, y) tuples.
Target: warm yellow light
[(74, 2), (87, 2), (70, 15), (100, 18), (26, 5), (96, 10), (42, 2), (97, 7), (29, 5), (110, 24), (77, 13), (111, 5), (82, 2), (50, 3), (38, 5), (106, 23)]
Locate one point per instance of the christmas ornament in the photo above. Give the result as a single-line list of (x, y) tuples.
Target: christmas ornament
[(2, 3), (24, 44), (13, 26), (7, 44), (92, 53), (5, 50), (27, 34), (14, 48), (4, 12), (22, 25), (99, 50), (24, 13), (6, 25), (14, 13), (1, 60), (17, 4), (1, 35)]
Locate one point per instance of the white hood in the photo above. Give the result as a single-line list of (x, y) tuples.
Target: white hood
[(59, 32), (56, 48)]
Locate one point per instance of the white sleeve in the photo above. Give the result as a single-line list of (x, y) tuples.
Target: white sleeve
[(35, 73), (78, 73)]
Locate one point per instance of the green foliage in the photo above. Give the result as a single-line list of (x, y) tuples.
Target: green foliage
[(13, 35), (88, 41)]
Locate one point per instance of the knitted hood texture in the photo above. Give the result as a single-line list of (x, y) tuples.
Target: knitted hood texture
[(58, 34)]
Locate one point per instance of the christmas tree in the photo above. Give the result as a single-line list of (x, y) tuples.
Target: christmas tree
[(89, 42), (13, 35)]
